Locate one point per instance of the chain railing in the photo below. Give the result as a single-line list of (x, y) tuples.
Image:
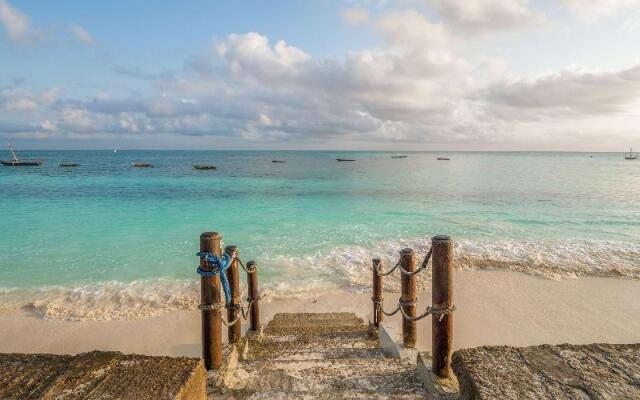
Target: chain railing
[(441, 257), (218, 271)]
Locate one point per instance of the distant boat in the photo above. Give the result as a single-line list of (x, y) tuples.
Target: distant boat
[(204, 167), (344, 159), (402, 156), (142, 165), (69, 164), (443, 159), (16, 162), (115, 150), (278, 161), (631, 156)]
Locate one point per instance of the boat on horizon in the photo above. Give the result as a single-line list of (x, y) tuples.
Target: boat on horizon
[(68, 165), (278, 161), (399, 156), (204, 167), (16, 162), (631, 156), (142, 165), (344, 159)]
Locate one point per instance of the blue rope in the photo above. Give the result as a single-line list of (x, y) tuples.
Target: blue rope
[(219, 266)]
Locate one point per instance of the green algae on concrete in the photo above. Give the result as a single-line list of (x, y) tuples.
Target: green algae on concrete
[(101, 375)]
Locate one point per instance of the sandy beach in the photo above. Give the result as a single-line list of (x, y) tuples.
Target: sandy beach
[(493, 307)]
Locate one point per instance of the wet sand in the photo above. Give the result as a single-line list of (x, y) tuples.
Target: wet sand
[(493, 307)]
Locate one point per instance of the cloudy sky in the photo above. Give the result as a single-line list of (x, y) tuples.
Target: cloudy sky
[(321, 74)]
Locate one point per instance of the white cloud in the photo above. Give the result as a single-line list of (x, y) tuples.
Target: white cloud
[(567, 93), (48, 125), (410, 28), (487, 15), (21, 104), (81, 35), (77, 118), (251, 53), (355, 16), (17, 24), (19, 100), (415, 87), (591, 9)]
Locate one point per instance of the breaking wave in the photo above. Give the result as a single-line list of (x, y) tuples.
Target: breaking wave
[(347, 268)]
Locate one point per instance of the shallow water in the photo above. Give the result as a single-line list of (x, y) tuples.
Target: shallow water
[(105, 240)]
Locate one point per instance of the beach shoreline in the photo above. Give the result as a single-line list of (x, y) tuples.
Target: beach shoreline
[(493, 308)]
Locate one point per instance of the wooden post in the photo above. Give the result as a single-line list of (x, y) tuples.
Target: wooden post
[(377, 294), (253, 295), (234, 332), (442, 294), (408, 297), (210, 295)]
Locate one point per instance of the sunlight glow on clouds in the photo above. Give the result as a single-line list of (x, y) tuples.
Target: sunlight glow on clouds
[(419, 84)]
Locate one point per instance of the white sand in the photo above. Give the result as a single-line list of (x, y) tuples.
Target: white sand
[(493, 308)]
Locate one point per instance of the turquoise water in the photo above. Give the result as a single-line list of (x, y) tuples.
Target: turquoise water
[(92, 233)]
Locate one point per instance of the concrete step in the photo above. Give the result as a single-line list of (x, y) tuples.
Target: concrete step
[(320, 356), (292, 395), (306, 317), (318, 331), (314, 353), (381, 375), (100, 375)]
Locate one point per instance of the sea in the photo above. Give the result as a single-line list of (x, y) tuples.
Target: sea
[(106, 240)]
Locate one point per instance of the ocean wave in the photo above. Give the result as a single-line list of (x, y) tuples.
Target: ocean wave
[(346, 268)]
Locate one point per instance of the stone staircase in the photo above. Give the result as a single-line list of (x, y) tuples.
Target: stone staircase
[(317, 356)]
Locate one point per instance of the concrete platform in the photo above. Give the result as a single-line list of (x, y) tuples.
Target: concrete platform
[(580, 372), (100, 375)]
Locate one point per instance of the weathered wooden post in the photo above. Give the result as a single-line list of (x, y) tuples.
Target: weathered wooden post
[(377, 294), (253, 295), (408, 297), (211, 302), (234, 332), (442, 295)]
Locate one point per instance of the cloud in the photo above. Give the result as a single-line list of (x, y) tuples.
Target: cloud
[(81, 35), (410, 28), (567, 93), (19, 100), (487, 15), (355, 16), (591, 9), (251, 54), (415, 87), (17, 24)]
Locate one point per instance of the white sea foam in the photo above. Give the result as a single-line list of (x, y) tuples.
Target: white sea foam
[(346, 267)]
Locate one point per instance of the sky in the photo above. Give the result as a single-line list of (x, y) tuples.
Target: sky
[(321, 74)]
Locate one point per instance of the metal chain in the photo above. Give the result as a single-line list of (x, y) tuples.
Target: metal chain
[(429, 311), (210, 307), (422, 267), (388, 272), (247, 270), (394, 312), (235, 321), (442, 311)]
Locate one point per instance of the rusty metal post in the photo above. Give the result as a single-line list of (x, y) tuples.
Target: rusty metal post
[(253, 295), (377, 294), (442, 296), (408, 297), (210, 295), (234, 332)]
